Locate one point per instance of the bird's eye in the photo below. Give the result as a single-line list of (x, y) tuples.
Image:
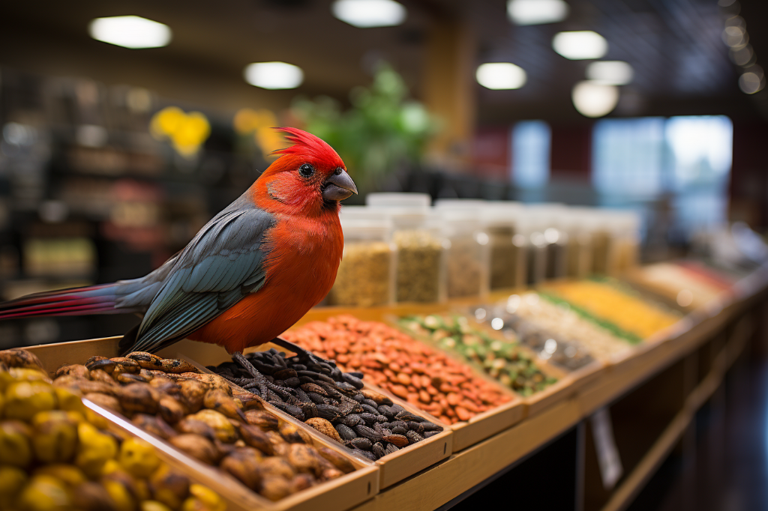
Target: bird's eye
[(306, 170)]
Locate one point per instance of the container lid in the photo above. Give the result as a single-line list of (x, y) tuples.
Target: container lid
[(398, 200), (360, 221)]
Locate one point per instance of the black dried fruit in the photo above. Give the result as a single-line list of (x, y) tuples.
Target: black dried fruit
[(408, 416), (345, 432), (414, 437), (378, 450), (368, 433), (391, 448), (328, 412), (361, 443)]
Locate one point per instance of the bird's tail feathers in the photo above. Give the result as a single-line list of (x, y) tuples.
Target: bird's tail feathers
[(67, 302)]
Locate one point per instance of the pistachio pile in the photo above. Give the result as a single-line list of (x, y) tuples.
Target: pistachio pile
[(199, 414), (502, 360), (56, 454), (334, 403)]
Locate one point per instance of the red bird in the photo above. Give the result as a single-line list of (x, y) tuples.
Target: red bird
[(249, 274)]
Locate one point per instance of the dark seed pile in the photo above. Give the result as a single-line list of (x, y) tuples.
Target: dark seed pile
[(333, 402)]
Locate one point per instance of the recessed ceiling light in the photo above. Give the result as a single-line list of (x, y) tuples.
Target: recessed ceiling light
[(580, 45), (610, 72), (500, 76), (369, 13), (594, 99), (735, 37), (743, 57), (274, 75), (536, 12), (130, 32), (752, 81)]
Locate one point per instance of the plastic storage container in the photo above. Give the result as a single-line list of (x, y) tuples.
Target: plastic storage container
[(579, 255), (420, 245), (534, 246), (499, 224), (467, 257), (555, 241), (627, 239), (603, 247), (367, 270)]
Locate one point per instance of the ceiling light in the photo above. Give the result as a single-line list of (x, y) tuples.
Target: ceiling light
[(594, 99), (369, 13), (752, 81), (536, 12), (610, 72), (274, 75), (735, 37), (130, 32), (580, 44), (500, 76), (743, 57)]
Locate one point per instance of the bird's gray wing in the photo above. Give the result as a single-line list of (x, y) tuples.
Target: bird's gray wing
[(221, 265)]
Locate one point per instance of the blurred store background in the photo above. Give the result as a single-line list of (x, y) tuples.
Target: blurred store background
[(126, 125)]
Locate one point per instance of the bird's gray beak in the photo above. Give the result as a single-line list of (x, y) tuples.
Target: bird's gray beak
[(339, 186)]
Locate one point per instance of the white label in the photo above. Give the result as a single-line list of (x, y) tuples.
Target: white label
[(607, 453)]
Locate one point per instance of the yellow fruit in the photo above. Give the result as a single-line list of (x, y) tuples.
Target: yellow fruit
[(68, 474), (54, 439), (169, 486), (90, 496), (28, 374), (141, 489), (12, 479), (203, 499), (153, 505), (15, 445), (138, 458), (43, 493), (69, 400), (119, 494), (24, 399), (94, 450), (2, 402), (110, 467), (95, 419)]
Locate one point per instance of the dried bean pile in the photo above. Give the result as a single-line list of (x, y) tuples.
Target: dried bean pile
[(504, 361), (334, 403), (199, 414), (409, 369)]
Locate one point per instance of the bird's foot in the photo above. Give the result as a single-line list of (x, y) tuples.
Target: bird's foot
[(303, 354), (266, 389)]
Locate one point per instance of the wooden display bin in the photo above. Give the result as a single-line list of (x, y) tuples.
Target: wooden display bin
[(487, 424), (393, 468), (342, 493)]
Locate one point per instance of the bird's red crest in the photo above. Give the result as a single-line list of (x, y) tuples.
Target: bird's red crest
[(307, 145)]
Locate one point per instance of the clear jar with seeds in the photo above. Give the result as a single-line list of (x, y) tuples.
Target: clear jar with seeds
[(367, 270), (419, 243)]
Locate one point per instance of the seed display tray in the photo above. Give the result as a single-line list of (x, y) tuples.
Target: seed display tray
[(393, 468), (563, 388), (344, 492)]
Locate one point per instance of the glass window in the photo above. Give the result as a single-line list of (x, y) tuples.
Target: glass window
[(701, 150), (530, 153), (627, 155), (685, 160)]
